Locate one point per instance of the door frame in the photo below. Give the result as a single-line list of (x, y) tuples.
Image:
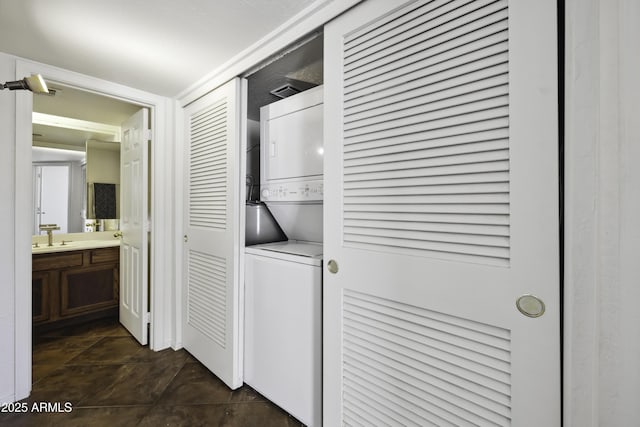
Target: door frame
[(160, 260)]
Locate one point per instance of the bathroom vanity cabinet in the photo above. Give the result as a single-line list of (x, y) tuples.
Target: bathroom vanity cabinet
[(75, 286)]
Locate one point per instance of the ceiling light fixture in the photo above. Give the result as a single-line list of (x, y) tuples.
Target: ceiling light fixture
[(35, 84)]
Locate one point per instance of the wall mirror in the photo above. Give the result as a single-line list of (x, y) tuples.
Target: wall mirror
[(76, 151)]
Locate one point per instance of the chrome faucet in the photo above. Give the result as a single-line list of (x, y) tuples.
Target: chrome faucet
[(49, 229)]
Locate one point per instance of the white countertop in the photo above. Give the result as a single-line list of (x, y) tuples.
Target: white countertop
[(74, 242)]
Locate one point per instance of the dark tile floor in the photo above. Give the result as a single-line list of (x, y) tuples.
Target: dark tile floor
[(111, 380)]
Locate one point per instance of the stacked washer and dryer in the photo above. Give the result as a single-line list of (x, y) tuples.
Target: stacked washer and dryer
[(283, 278)]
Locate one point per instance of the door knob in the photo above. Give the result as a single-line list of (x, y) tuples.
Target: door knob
[(530, 305), (332, 266), (117, 234)]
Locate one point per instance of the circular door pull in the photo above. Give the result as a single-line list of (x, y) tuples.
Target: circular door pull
[(530, 305), (332, 266)]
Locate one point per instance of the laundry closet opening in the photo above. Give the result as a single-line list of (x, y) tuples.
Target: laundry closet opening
[(284, 228)]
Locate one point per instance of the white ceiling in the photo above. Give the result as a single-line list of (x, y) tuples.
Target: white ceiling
[(160, 46)]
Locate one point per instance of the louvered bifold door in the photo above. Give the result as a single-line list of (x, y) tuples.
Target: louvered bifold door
[(441, 189), (211, 214)]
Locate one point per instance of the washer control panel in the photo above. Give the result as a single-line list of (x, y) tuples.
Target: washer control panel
[(292, 192)]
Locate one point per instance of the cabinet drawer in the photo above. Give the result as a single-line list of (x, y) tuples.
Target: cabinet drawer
[(57, 261), (105, 255)]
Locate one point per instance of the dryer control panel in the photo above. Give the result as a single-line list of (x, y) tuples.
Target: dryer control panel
[(291, 148), (292, 191)]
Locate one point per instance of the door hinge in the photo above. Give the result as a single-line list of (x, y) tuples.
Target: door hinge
[(147, 134), (147, 317)]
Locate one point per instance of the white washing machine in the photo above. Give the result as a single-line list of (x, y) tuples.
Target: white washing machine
[(283, 326), (283, 280)]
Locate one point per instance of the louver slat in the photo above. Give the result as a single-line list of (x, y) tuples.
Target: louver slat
[(406, 24), (420, 367), (428, 45), (426, 133), (208, 168), (207, 295)]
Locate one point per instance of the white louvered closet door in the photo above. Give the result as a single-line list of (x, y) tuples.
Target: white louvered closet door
[(212, 236), (441, 210)]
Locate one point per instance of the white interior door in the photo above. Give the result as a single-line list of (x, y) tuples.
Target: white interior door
[(441, 210), (51, 192), (213, 205), (134, 225)]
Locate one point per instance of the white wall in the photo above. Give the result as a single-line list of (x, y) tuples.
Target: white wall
[(103, 162), (602, 233), (7, 163)]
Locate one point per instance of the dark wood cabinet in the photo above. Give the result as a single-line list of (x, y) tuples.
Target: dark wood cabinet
[(74, 286), (40, 296)]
